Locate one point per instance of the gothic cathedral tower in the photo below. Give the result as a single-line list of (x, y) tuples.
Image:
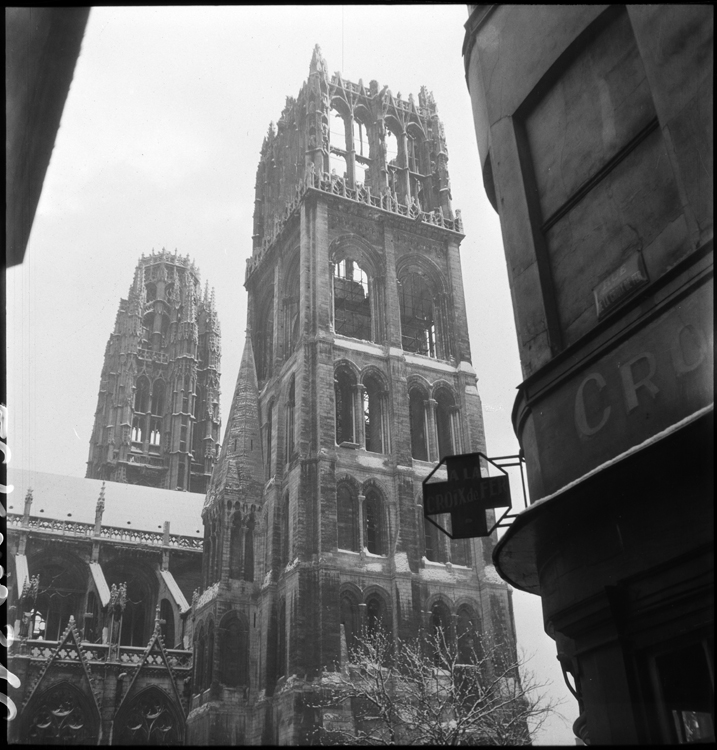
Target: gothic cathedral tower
[(356, 378), (157, 419)]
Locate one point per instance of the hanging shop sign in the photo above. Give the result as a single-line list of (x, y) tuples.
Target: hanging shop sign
[(467, 495)]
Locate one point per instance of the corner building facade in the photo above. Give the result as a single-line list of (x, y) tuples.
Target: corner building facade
[(157, 419), (356, 378), (595, 131)]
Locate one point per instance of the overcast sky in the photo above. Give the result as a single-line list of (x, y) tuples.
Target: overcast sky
[(158, 147)]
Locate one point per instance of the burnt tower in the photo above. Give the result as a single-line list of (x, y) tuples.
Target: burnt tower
[(356, 378), (157, 419)]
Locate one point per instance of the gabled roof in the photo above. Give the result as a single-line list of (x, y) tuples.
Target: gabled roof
[(75, 499)]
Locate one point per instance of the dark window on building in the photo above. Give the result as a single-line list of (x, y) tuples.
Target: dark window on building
[(417, 419), (347, 517), (684, 681), (199, 661), (435, 546), (349, 619), (291, 309), (374, 537), (344, 388), (149, 719), (445, 415), (234, 647), (375, 614), (60, 716), (440, 630), (166, 614), (93, 626), (151, 292), (468, 635), (281, 650), (374, 418), (61, 593), (290, 413), (209, 675), (284, 529), (158, 390), (264, 340), (235, 547), (352, 303), (141, 396), (248, 572), (269, 431), (418, 319)]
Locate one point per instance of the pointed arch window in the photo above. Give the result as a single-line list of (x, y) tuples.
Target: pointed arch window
[(60, 716), (199, 661), (236, 547), (158, 390), (209, 658), (234, 651), (376, 619), (166, 614), (347, 517), (141, 396), (93, 629), (281, 650), (468, 635), (248, 572), (418, 316), (284, 542), (440, 630), (264, 339), (290, 414), (446, 427), (417, 421), (291, 309), (344, 391), (352, 300), (374, 531), (349, 619), (150, 719), (269, 435), (374, 415), (435, 546), (61, 594)]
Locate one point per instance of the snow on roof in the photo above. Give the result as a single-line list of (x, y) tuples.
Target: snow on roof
[(126, 505)]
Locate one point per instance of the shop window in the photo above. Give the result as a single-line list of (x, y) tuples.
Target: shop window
[(374, 418), (234, 648), (347, 517), (352, 302), (166, 615), (418, 316), (344, 389), (417, 421), (374, 536), (684, 680)]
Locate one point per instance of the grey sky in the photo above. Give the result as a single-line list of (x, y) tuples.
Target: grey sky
[(158, 147)]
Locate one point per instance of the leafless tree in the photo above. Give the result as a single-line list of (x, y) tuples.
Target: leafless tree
[(431, 691)]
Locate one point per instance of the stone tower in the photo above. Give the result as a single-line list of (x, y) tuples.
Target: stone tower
[(157, 419), (356, 378)]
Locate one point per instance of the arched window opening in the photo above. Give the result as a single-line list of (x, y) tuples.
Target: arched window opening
[(441, 636), (186, 394), (158, 390), (290, 411), (347, 518), (168, 291), (338, 147), (417, 421), (468, 636), (434, 542), (166, 616), (151, 292), (344, 387), (418, 191), (350, 620), (141, 396), (149, 719), (92, 630), (61, 593), (281, 650), (361, 148), (352, 302), (374, 531), (269, 431), (248, 572), (61, 716), (264, 339), (391, 148), (164, 327), (235, 548), (234, 646), (210, 655), (199, 650), (375, 614), (291, 309), (373, 414), (133, 625), (418, 322), (445, 414), (284, 529)]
